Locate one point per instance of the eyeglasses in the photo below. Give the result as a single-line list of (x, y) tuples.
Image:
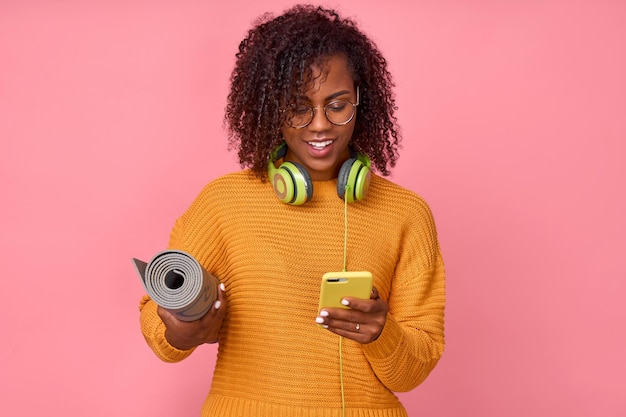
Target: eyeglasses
[(338, 112)]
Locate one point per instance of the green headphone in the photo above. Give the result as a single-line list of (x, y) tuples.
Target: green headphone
[(292, 183)]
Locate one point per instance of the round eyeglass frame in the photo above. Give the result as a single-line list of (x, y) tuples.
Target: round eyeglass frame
[(313, 109)]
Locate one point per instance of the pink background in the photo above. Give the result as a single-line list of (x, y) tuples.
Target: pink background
[(513, 115)]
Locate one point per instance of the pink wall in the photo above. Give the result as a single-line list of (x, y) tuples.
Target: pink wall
[(513, 115)]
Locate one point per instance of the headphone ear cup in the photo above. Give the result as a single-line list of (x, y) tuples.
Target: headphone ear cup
[(342, 179), (292, 183), (354, 176)]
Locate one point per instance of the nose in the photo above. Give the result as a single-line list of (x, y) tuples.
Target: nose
[(320, 122)]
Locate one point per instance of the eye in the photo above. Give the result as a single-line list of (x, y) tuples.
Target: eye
[(337, 106), (300, 109)]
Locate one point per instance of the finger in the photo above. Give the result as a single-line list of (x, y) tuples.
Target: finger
[(348, 326), (165, 315), (345, 319), (219, 305), (221, 297), (374, 294), (358, 304), (350, 330), (339, 315)]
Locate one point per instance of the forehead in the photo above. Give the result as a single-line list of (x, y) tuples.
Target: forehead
[(330, 75)]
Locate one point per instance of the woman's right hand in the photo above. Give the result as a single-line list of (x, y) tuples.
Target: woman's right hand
[(185, 335)]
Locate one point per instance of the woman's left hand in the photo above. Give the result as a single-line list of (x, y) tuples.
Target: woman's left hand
[(362, 322)]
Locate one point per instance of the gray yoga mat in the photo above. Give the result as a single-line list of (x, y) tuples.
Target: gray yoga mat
[(178, 283)]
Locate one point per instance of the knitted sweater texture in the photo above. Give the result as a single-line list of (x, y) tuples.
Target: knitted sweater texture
[(273, 359)]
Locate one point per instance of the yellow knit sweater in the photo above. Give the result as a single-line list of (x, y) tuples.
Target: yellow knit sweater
[(273, 360)]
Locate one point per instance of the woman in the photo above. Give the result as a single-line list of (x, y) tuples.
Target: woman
[(310, 111)]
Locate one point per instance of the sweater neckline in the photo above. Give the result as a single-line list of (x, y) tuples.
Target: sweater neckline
[(325, 189)]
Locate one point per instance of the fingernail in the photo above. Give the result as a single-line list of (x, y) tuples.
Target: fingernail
[(345, 302), (222, 287), (319, 320), (324, 313), (217, 304)]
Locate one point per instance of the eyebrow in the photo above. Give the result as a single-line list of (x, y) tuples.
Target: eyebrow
[(332, 96), (337, 94)]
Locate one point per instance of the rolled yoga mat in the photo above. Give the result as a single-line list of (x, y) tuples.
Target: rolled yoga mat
[(178, 283)]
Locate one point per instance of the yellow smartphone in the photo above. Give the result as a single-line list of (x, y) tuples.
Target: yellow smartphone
[(336, 285)]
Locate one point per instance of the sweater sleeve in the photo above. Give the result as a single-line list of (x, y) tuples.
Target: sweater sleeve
[(153, 331), (412, 340)]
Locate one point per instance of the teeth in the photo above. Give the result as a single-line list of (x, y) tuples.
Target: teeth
[(320, 145)]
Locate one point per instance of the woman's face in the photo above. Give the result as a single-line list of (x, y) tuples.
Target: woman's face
[(321, 146)]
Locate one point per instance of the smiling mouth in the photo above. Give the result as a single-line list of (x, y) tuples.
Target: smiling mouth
[(320, 145)]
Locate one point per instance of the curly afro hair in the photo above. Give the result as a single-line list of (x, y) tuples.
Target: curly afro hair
[(273, 67)]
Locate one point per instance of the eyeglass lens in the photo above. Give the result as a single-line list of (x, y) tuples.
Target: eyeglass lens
[(338, 112)]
